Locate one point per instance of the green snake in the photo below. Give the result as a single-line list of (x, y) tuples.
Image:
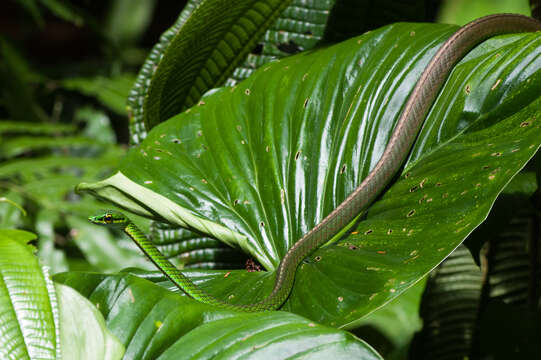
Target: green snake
[(411, 119)]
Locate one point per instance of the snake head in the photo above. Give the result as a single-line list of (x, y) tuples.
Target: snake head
[(109, 218)]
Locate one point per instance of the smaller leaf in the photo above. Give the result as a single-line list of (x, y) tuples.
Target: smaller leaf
[(30, 128), (20, 145), (111, 92)]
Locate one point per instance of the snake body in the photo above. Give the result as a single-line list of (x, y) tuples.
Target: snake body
[(402, 138)]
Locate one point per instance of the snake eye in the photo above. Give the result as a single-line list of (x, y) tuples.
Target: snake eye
[(108, 218)]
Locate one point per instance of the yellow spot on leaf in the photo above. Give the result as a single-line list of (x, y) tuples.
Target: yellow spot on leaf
[(496, 84), (132, 298)]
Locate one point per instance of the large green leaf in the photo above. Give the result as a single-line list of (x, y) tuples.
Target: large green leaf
[(260, 164), (154, 323)]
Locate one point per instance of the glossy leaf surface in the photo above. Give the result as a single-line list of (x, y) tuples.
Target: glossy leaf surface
[(154, 323), (261, 164), (29, 322)]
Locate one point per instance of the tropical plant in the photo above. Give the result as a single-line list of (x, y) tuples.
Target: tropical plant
[(306, 108)]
